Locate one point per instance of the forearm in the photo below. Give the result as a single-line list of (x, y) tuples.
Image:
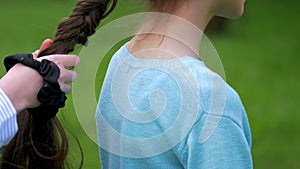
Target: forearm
[(21, 84)]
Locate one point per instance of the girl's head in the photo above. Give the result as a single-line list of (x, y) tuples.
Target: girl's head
[(230, 8), (225, 8)]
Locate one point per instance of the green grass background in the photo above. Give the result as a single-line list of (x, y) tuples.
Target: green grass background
[(260, 53)]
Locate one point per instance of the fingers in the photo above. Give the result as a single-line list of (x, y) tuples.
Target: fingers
[(47, 43), (68, 76), (64, 62), (67, 61), (35, 54), (66, 88)]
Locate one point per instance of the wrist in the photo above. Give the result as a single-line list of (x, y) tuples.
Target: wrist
[(21, 84)]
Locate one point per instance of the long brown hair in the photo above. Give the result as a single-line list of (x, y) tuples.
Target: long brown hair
[(44, 144)]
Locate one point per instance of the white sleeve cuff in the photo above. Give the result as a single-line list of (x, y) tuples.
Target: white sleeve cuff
[(8, 119)]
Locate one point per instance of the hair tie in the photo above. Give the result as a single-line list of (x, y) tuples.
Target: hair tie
[(50, 95)]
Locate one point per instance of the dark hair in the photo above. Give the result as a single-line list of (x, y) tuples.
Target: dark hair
[(166, 6), (44, 144)]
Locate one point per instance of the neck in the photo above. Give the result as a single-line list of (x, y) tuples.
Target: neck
[(198, 13), (180, 33)]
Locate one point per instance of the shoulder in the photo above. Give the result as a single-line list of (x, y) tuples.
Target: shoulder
[(218, 101)]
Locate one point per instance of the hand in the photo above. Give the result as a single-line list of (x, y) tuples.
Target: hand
[(63, 62), (22, 84)]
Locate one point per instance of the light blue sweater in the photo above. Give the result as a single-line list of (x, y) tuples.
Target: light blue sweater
[(170, 114)]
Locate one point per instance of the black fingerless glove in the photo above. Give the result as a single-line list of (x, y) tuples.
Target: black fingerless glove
[(50, 95)]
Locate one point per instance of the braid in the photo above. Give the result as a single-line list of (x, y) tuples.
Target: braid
[(44, 144), (81, 24)]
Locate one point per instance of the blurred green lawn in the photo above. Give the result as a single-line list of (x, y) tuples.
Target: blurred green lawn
[(260, 53)]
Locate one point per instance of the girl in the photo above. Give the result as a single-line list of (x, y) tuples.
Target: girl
[(161, 107)]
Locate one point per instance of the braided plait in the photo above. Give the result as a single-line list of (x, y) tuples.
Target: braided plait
[(81, 24)]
